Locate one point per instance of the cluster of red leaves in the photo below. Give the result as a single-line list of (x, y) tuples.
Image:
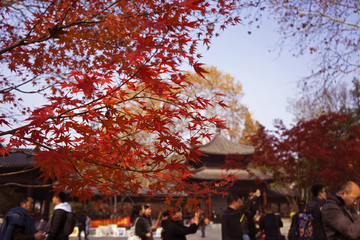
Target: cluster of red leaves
[(114, 94), (326, 149)]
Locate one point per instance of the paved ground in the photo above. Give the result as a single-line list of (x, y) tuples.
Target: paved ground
[(212, 232)]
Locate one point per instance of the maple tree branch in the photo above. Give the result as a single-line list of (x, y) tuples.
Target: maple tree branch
[(18, 172), (108, 7), (108, 94), (13, 131), (15, 87), (36, 143), (37, 91), (78, 172), (67, 11), (9, 48), (119, 168), (157, 99), (27, 185), (23, 40)]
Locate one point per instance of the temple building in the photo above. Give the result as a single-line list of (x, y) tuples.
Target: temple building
[(221, 152)]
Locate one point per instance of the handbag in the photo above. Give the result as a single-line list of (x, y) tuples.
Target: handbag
[(132, 235)]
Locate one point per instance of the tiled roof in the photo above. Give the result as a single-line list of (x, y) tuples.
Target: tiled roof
[(221, 145), (280, 192), (205, 173), (17, 159)]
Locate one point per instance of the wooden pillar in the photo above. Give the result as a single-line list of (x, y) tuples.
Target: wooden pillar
[(210, 207), (265, 197), (184, 213), (47, 204), (30, 190), (115, 206), (279, 207), (111, 211)]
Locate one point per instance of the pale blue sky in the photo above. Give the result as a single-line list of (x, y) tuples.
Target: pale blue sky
[(268, 79)]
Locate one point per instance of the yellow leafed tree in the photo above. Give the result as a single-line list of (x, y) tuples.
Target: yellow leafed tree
[(223, 87)]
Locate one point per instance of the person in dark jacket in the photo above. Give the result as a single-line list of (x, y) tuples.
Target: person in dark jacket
[(340, 219), (250, 214), (202, 225), (176, 231), (244, 225), (270, 224), (82, 224), (248, 226), (230, 221), (144, 226), (58, 218), (294, 227), (136, 220), (164, 222), (319, 197), (18, 225)]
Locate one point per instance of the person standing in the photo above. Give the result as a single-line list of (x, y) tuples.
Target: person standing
[(213, 216), (202, 225), (294, 233), (319, 197), (230, 221), (87, 227), (164, 222), (42, 223), (176, 231), (18, 225), (148, 222), (59, 218), (143, 227), (245, 225), (339, 217), (271, 224), (250, 214), (137, 221), (81, 225)]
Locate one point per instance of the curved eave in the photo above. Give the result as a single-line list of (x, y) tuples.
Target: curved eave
[(249, 174), (221, 145)]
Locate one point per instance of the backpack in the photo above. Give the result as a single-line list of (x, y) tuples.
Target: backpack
[(318, 229), (294, 229), (305, 226), (69, 223)]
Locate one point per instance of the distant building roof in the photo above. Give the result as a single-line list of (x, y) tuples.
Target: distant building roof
[(205, 173), (221, 145), (17, 159), (275, 192)]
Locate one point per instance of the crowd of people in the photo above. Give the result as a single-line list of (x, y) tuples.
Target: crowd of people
[(327, 216), (19, 225), (171, 224)]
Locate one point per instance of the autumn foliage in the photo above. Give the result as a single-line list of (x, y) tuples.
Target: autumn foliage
[(111, 86), (323, 150), (224, 88)]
